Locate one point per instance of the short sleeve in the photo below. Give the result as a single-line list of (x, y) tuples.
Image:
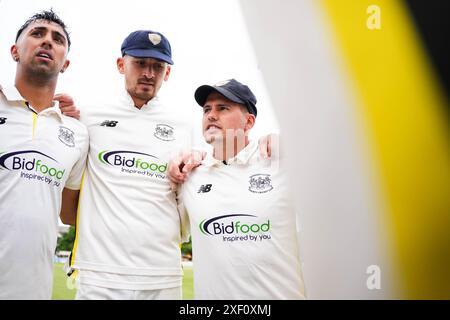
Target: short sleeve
[(184, 216), (74, 180)]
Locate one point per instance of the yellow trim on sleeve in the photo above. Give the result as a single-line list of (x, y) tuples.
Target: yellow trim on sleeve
[(75, 244)]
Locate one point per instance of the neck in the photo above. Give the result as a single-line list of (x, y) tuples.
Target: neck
[(139, 103), (38, 92), (224, 150)]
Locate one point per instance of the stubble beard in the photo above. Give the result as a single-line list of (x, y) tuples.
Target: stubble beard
[(40, 74)]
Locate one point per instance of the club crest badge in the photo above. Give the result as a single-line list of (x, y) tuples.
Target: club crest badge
[(221, 83), (164, 132), (260, 183), (66, 136), (154, 38)]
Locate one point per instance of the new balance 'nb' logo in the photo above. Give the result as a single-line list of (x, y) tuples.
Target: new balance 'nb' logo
[(205, 188), (108, 123)]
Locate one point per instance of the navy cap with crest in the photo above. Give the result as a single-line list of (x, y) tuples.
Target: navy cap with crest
[(232, 90), (147, 44)]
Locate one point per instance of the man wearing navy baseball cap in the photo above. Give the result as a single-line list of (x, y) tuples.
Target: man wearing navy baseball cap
[(128, 227), (147, 44), (232, 90), (239, 207), (229, 109), (231, 95), (146, 62)]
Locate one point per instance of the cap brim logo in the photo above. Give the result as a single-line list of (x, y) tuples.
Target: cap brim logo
[(154, 38)]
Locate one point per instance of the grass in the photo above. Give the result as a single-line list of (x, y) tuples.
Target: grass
[(64, 288)]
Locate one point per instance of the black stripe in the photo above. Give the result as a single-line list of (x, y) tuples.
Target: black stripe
[(28, 106), (432, 22)]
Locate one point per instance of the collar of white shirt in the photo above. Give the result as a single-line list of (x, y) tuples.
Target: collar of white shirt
[(242, 157), (12, 94), (127, 101)]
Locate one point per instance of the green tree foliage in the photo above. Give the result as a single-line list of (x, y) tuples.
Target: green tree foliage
[(186, 249), (65, 242)]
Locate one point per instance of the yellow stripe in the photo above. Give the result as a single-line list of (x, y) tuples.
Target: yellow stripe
[(34, 115), (75, 244), (403, 110)]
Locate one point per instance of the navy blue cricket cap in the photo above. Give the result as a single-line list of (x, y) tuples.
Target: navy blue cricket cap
[(147, 44), (232, 90)]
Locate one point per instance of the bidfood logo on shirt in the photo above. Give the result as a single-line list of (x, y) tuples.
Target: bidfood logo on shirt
[(34, 165), (132, 162), (236, 227)]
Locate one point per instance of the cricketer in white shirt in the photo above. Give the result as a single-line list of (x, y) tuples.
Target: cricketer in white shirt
[(40, 155), (243, 227), (128, 226), (241, 212)]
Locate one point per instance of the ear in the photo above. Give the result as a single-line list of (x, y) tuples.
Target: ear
[(14, 53), (65, 66), (121, 65), (166, 76), (250, 121)]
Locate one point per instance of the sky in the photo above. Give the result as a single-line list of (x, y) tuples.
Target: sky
[(209, 40)]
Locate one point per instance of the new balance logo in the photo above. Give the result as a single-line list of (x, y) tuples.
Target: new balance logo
[(108, 123), (3, 120), (205, 188)]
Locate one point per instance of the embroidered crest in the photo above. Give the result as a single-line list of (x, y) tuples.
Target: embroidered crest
[(260, 183), (154, 38), (221, 83), (66, 136), (164, 132)]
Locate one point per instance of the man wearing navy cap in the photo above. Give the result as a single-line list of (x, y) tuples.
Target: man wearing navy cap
[(230, 89), (235, 99), (128, 227), (241, 213), (145, 62)]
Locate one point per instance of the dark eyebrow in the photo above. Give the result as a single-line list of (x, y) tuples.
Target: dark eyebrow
[(219, 105), (37, 28), (135, 59), (59, 34)]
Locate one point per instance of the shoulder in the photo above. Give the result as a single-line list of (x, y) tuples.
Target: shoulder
[(76, 128), (74, 123)]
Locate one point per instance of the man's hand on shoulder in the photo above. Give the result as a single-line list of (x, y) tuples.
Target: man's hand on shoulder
[(67, 105), (181, 166), (269, 145)]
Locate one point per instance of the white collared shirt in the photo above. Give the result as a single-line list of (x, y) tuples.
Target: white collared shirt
[(40, 154), (243, 228), (128, 227)]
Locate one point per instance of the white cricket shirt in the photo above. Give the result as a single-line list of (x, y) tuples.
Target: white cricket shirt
[(243, 228), (40, 154), (128, 227)]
